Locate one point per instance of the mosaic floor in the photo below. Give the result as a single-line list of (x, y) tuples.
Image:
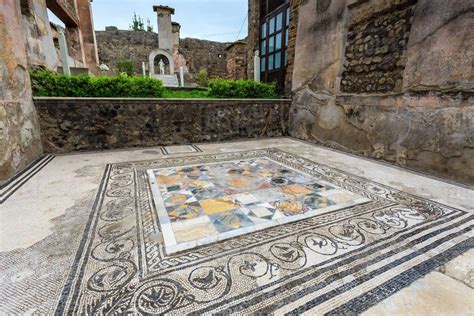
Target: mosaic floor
[(341, 261), (201, 204), (260, 227)]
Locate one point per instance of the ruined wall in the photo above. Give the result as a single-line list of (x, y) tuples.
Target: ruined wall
[(426, 120), (39, 37), (237, 60), (70, 124), (20, 142), (202, 54), (117, 45), (375, 50), (39, 34)]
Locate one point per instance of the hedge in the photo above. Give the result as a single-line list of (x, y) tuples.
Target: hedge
[(48, 84), (221, 88)]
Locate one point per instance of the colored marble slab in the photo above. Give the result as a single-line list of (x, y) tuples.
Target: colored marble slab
[(204, 203)]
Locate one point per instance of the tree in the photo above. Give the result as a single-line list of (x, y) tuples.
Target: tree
[(137, 23)]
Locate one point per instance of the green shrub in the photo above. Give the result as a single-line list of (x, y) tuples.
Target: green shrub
[(202, 78), (127, 67), (221, 88), (48, 84)]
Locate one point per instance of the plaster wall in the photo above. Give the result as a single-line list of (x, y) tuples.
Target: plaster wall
[(428, 126), (39, 36), (20, 142)]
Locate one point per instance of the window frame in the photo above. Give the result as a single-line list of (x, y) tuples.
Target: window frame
[(284, 9)]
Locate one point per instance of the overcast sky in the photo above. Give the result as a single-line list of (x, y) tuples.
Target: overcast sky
[(217, 20)]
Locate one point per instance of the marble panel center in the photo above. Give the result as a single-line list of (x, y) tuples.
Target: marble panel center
[(204, 203)]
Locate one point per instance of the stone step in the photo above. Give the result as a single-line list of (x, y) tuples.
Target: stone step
[(168, 80)]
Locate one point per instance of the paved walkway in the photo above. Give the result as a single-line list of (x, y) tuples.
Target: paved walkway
[(58, 254)]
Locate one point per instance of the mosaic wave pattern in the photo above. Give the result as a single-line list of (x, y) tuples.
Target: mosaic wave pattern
[(340, 262), (201, 204)]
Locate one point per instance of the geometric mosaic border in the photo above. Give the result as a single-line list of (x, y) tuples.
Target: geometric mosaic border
[(188, 149), (340, 262)]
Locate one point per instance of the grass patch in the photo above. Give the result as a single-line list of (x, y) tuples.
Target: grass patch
[(186, 94)]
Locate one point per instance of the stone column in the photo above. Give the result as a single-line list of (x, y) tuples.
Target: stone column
[(256, 66), (64, 53), (89, 45), (165, 29), (20, 141), (176, 27), (253, 38)]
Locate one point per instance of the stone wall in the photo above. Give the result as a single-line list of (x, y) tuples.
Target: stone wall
[(426, 121), (115, 45), (376, 47), (20, 142), (70, 124), (202, 54), (118, 45)]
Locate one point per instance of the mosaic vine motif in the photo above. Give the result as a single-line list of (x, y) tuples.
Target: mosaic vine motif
[(123, 268)]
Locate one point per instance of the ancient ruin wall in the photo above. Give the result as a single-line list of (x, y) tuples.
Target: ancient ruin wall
[(428, 125), (115, 45), (375, 51), (202, 54), (70, 124), (20, 142), (237, 61), (118, 45)]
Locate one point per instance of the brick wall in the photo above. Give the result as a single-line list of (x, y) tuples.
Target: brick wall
[(237, 60)]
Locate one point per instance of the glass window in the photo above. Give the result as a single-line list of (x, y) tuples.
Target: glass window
[(287, 16), (286, 38), (277, 60), (263, 48), (264, 30), (272, 26), (270, 62), (278, 41), (279, 21), (271, 44), (286, 58), (262, 64)]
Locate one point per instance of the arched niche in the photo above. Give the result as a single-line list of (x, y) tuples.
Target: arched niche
[(161, 54)]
